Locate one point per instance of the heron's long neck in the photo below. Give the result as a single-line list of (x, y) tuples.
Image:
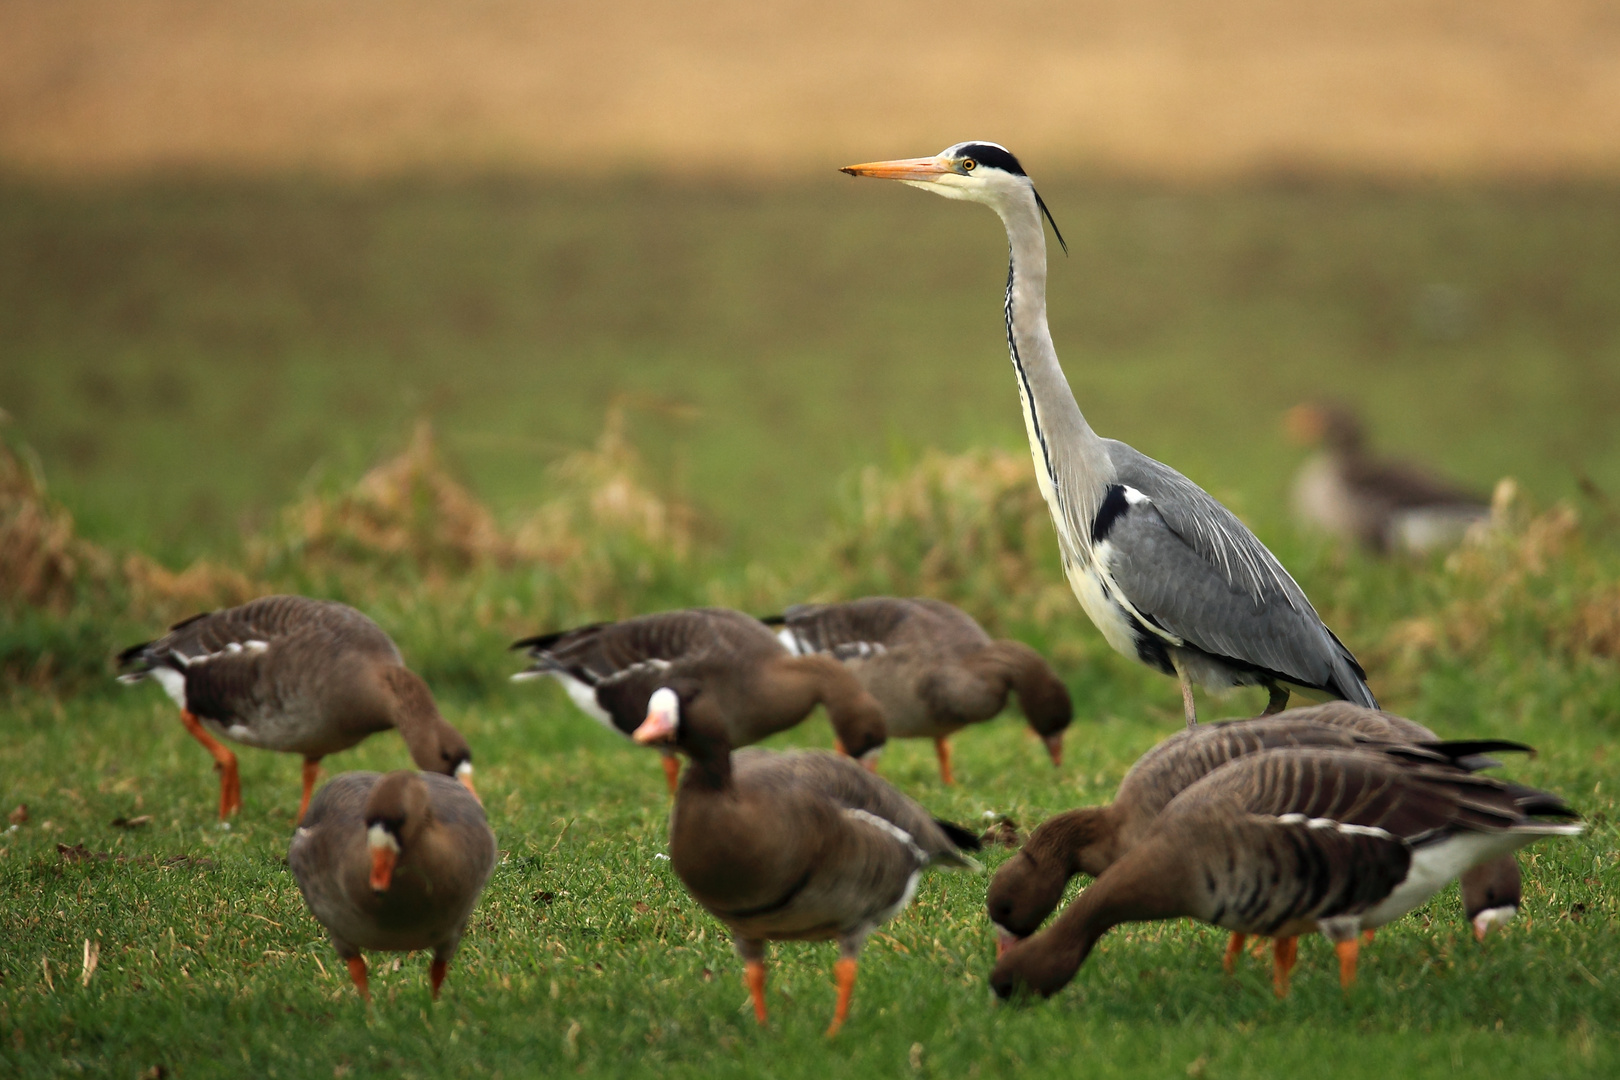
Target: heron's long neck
[(1071, 462)]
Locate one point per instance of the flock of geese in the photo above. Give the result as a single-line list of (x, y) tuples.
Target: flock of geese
[(1333, 819)]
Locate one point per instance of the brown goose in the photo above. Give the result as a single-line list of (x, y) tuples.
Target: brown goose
[(932, 668), (302, 676), (1028, 887), (1286, 842), (393, 862), (1382, 505), (793, 846), (720, 663)]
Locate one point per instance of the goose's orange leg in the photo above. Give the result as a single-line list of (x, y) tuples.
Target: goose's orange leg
[(1366, 937), (754, 976), (942, 747), (436, 973), (230, 781), (357, 972), (672, 771), (1234, 949), (844, 972), (1283, 951), (312, 772), (1348, 952)]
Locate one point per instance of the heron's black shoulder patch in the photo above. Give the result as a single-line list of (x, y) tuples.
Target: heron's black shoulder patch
[(1114, 504), (998, 157)]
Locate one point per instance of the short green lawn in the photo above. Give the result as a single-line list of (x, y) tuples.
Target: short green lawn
[(587, 956)]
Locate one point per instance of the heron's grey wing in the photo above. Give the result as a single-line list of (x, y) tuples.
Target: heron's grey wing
[(1233, 552), (1186, 593), (845, 783)]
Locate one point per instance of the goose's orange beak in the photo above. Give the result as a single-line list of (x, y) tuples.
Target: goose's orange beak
[(382, 867), (1054, 748), (923, 169), (464, 775)]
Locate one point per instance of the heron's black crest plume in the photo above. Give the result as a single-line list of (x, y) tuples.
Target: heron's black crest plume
[(1055, 230)]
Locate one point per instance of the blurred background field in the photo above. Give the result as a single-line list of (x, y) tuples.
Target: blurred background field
[(500, 318)]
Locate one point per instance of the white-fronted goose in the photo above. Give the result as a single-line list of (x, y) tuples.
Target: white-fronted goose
[(1286, 842), (395, 863), (792, 846), (932, 668), (720, 663), (302, 676), (1382, 505), (1028, 887)]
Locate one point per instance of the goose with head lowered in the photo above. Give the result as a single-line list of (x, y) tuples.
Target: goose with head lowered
[(932, 668), (1029, 886), (715, 662), (302, 676), (796, 846), (393, 863), (1170, 576), (1287, 842)]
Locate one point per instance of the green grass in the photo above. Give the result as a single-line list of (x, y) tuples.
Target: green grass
[(213, 967), (189, 358)]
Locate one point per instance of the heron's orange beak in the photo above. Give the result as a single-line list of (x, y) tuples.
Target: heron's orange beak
[(382, 867), (922, 169), (1054, 748)]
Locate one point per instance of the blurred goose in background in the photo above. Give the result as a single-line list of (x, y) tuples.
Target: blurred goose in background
[(932, 668), (719, 663), (1170, 576), (1383, 505), (1029, 886), (393, 862), (1286, 842), (302, 676), (799, 846)]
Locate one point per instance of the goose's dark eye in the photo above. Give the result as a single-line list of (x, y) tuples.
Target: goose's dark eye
[(968, 164)]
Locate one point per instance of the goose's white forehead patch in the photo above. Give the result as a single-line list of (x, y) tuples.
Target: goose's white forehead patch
[(379, 837), (664, 703)]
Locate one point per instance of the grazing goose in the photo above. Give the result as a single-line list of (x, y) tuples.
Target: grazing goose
[(932, 668), (1285, 842), (393, 862), (303, 676), (1028, 887), (793, 846), (1382, 505), (720, 663), (1170, 576)]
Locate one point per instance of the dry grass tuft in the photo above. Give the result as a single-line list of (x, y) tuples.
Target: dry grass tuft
[(968, 528), (44, 563)]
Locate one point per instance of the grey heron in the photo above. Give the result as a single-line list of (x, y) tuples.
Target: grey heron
[(1170, 576)]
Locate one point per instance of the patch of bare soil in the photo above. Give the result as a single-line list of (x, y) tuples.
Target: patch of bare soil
[(1179, 88)]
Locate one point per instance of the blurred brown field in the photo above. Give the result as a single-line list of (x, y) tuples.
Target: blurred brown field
[(1162, 88)]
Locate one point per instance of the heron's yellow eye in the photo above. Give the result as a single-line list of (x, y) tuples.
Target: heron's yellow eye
[(968, 164)]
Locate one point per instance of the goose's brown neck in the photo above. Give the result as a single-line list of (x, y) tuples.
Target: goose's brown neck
[(1148, 884), (1082, 841), (705, 744), (400, 801), (435, 746), (1041, 694), (855, 714)]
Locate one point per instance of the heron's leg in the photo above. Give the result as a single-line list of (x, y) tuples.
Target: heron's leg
[(844, 972), (230, 781), (436, 974), (1284, 952), (1187, 705), (1279, 699), (357, 972), (1348, 952), (672, 771), (753, 954), (312, 772), (1234, 949), (942, 747)]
